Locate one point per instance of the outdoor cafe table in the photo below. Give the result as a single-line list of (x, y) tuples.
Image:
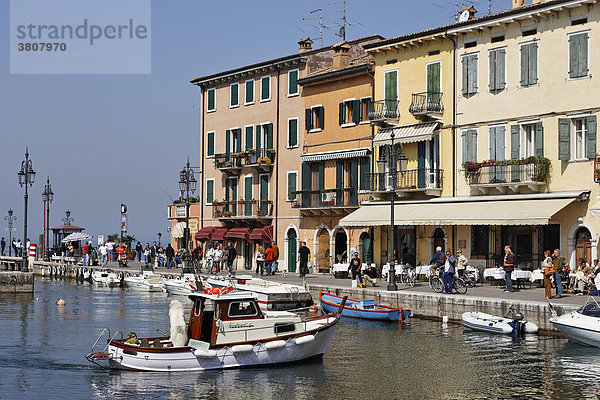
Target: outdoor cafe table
[(518, 275)]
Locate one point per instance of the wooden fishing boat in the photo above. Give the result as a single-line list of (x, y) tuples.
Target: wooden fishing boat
[(224, 331), (366, 309)]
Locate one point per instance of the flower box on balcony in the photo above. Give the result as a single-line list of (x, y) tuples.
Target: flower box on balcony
[(597, 169)]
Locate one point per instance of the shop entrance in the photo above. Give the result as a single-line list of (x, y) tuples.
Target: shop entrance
[(292, 249), (323, 263)]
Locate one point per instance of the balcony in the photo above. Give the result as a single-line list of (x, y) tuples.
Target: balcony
[(261, 160), (328, 201), (532, 173), (428, 181), (242, 210), (383, 112), (231, 164), (426, 105)]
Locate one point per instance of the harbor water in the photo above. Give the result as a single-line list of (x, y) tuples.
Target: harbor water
[(43, 347)]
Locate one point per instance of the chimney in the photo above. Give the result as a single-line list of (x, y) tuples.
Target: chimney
[(471, 12), (341, 55), (305, 45), (518, 3)]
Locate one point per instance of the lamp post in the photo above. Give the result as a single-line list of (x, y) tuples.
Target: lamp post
[(26, 177), (159, 235), (187, 183), (47, 197), (10, 218)]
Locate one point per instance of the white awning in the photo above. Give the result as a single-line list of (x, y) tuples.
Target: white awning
[(499, 212), (333, 155), (406, 134), (177, 231)]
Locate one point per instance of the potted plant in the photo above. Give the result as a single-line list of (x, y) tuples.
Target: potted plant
[(241, 201), (252, 201)]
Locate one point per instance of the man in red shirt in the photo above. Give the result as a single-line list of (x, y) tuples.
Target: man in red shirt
[(269, 259)]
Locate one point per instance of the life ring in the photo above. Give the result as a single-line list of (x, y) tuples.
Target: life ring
[(218, 290)]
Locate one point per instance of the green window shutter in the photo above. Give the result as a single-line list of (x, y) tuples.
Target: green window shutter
[(308, 119), (210, 191), (421, 177), (264, 187), (249, 137), (525, 65), (564, 139), (539, 140), (573, 55), (211, 99), (590, 139), (515, 131), (306, 176), (365, 170), (265, 88), (321, 175), (339, 174), (472, 146), (533, 64), (227, 141), (248, 188), (433, 77), (356, 111), (353, 174), (250, 91), (341, 113), (321, 118), (234, 94), (465, 80), (211, 144), (291, 186), (492, 70), (463, 138), (293, 132), (582, 61), (500, 143), (238, 141), (472, 86), (269, 136), (500, 69), (293, 82), (391, 85), (258, 136), (492, 143)]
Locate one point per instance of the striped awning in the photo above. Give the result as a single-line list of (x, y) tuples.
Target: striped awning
[(205, 233), (265, 234), (177, 231), (334, 155), (238, 233), (406, 133), (219, 234)]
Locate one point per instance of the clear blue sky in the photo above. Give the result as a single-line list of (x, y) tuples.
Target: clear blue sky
[(111, 139)]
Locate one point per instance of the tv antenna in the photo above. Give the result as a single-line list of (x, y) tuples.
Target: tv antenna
[(320, 26)]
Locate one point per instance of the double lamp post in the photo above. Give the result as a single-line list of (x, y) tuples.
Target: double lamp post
[(26, 177), (47, 197)]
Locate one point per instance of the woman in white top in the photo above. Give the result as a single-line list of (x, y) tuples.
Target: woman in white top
[(461, 263), (260, 259)]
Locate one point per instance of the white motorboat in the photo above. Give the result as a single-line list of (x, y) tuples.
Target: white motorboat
[(490, 323), (183, 285), (105, 278), (146, 281), (224, 331), (580, 326), (270, 295)]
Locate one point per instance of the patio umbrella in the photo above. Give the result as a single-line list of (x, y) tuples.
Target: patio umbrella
[(77, 236)]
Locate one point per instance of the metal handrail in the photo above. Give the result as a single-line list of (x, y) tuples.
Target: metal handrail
[(415, 179), (426, 102), (383, 109)]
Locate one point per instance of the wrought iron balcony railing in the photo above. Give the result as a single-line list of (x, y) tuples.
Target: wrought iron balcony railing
[(327, 198), (382, 110), (412, 180), (242, 209), (426, 102), (493, 174)]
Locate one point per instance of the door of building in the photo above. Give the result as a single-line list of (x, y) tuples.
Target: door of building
[(292, 249), (583, 247), (324, 252)]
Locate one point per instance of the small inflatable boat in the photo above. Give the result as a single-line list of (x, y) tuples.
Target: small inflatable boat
[(490, 323)]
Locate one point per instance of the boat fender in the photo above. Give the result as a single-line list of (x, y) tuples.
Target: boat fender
[(127, 275), (241, 348), (63, 269), (43, 272), (205, 353), (275, 344), (304, 339), (121, 275)]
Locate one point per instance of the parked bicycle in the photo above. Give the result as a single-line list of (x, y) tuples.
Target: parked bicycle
[(469, 278), (437, 284), (408, 276)]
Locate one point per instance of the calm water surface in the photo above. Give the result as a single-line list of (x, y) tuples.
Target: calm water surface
[(43, 347)]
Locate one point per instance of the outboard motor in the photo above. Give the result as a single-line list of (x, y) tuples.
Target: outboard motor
[(518, 325)]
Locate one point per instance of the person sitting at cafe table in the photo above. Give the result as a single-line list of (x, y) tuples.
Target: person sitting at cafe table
[(370, 274), (132, 339)]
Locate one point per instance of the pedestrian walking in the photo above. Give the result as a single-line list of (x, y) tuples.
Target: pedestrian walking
[(259, 257), (85, 257), (146, 254), (275, 262), (103, 254), (509, 266), (548, 270), (303, 255), (231, 256), (169, 253), (449, 270), (269, 259), (138, 251), (2, 245), (217, 257), (559, 264), (14, 247), (224, 256), (153, 254), (354, 268), (461, 263), (110, 246)]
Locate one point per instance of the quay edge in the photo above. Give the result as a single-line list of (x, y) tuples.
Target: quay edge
[(437, 305), (16, 282)]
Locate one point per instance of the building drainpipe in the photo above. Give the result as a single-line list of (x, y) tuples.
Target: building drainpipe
[(200, 200), (454, 243), (372, 229), (277, 163)]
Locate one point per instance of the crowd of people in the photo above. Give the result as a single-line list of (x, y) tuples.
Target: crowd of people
[(16, 245)]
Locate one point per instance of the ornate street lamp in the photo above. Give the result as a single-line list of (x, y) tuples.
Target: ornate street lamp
[(47, 197), (187, 184), (26, 177), (10, 218), (159, 235)]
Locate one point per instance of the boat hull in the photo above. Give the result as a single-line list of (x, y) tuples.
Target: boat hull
[(578, 328), (179, 288), (493, 324), (141, 286), (382, 313), (184, 358)]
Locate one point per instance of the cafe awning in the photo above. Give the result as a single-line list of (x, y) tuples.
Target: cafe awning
[(406, 134), (264, 233), (205, 233), (475, 212), (177, 231), (238, 233), (219, 234), (334, 155)]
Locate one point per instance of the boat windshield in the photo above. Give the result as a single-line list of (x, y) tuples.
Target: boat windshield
[(239, 275), (590, 309)]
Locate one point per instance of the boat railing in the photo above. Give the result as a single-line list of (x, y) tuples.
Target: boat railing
[(108, 342)]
